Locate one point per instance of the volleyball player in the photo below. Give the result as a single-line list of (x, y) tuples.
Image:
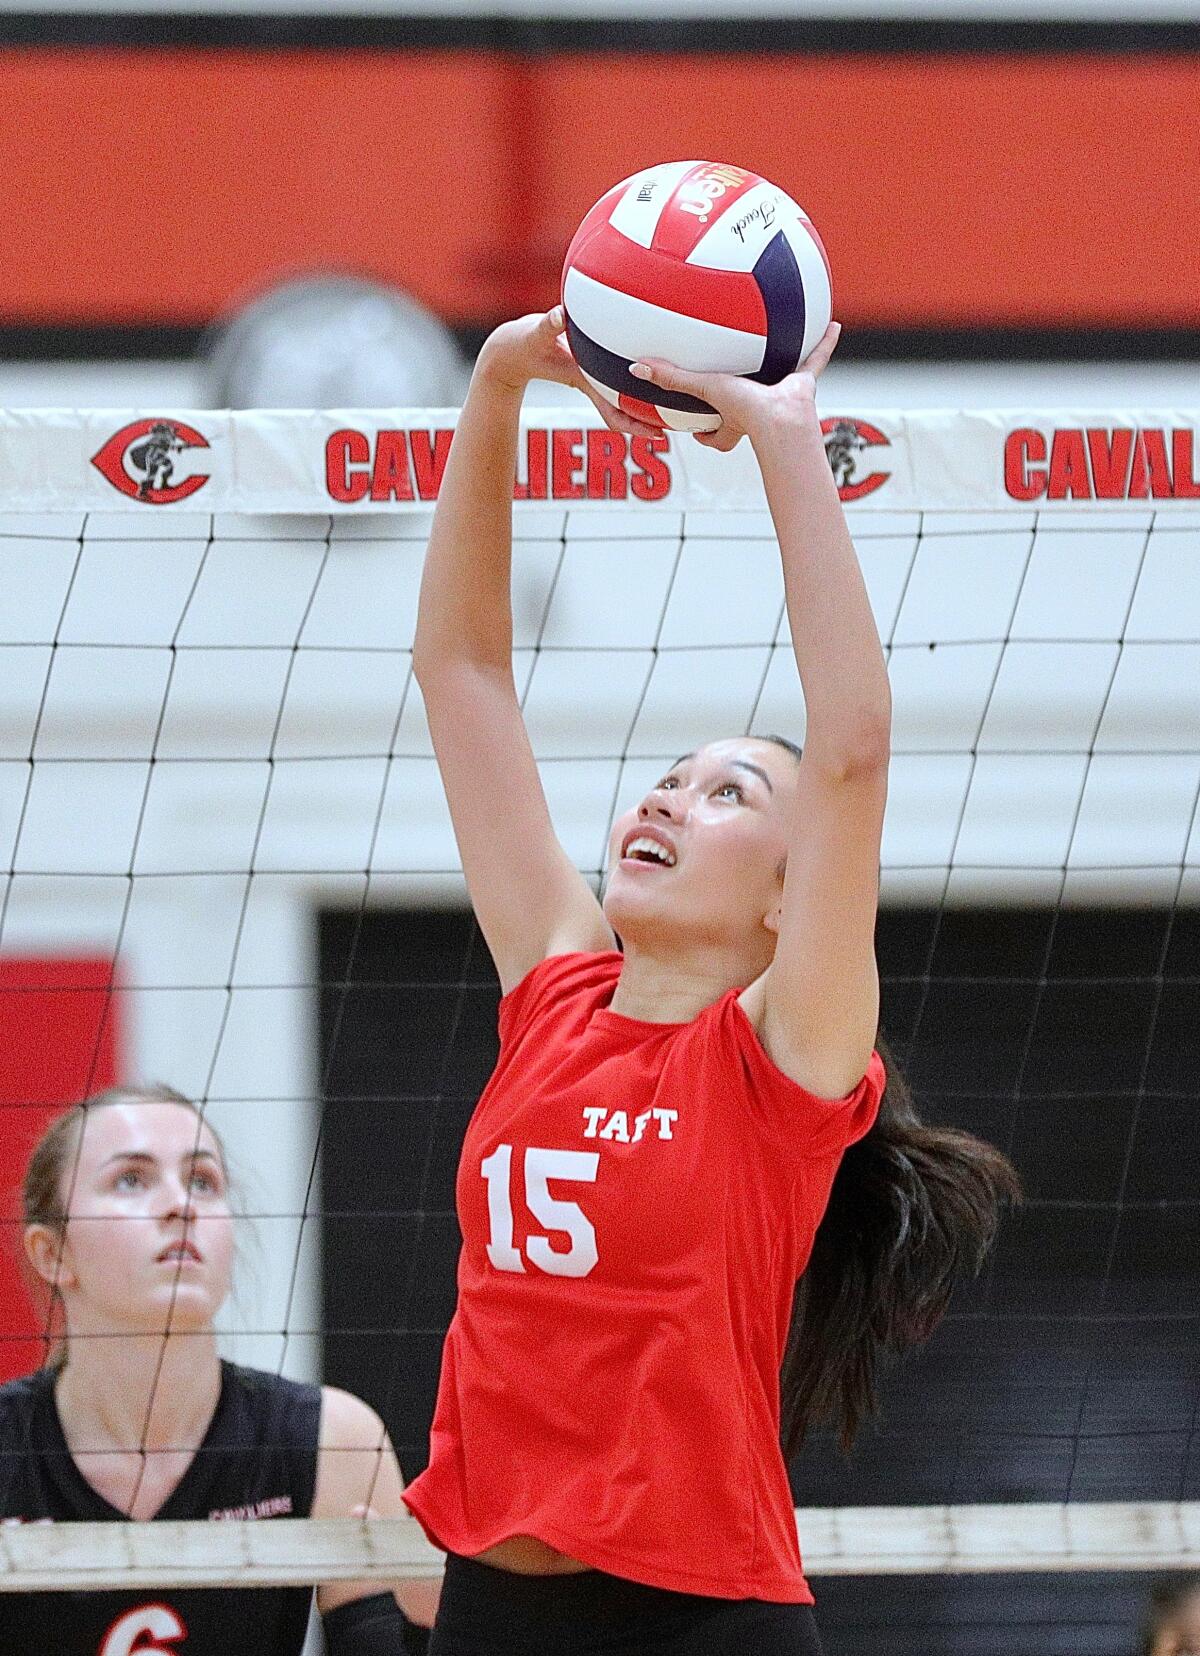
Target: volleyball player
[(642, 1180), (128, 1224)]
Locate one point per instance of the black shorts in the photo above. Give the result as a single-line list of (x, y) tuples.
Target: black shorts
[(489, 1612)]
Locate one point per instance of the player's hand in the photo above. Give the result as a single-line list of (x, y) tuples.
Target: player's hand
[(746, 407), (526, 349), (535, 347)]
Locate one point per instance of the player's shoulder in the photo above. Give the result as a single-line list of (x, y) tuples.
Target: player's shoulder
[(261, 1386), (348, 1422), (726, 1046), (21, 1401), (25, 1411), (557, 979), (576, 969), (269, 1406)]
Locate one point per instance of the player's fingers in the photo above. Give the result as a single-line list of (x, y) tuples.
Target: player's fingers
[(568, 372), (670, 378), (627, 424), (564, 362), (553, 322), (616, 419), (818, 357), (723, 439)]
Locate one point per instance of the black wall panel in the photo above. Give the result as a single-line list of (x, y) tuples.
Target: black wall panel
[(1071, 1370)]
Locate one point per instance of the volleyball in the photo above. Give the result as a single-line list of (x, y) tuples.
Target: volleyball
[(700, 263)]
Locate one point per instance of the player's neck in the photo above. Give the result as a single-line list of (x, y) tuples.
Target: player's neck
[(674, 988), (139, 1390)]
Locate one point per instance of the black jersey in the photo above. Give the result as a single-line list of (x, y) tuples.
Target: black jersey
[(258, 1460)]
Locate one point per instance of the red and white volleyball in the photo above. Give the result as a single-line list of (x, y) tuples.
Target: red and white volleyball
[(702, 264)]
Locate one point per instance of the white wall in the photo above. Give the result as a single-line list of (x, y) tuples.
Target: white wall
[(909, 385)]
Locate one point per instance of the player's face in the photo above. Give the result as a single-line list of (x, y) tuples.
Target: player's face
[(721, 821), (149, 1241)]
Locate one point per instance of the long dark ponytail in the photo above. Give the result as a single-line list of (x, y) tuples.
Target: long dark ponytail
[(913, 1208)]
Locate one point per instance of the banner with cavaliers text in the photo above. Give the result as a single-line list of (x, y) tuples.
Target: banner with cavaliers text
[(392, 460)]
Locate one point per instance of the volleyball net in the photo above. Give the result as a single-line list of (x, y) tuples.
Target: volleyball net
[(224, 850)]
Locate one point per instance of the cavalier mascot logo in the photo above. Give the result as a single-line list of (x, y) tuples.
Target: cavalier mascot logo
[(845, 440), (140, 460)]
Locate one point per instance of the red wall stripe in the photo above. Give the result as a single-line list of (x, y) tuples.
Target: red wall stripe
[(62, 1041)]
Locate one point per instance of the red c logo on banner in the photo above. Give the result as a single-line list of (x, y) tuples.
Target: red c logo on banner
[(139, 460), (845, 438)]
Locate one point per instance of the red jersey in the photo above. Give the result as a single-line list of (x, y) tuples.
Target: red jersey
[(637, 1201)]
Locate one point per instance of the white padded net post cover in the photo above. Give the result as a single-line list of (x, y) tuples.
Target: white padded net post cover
[(209, 727)]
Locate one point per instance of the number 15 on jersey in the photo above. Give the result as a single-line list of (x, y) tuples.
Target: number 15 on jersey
[(567, 1218)]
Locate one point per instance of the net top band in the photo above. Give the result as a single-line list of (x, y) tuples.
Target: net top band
[(385, 461)]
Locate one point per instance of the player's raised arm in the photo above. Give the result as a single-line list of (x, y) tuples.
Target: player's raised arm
[(529, 899), (817, 1005)]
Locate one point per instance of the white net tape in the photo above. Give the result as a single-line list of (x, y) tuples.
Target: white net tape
[(935, 1540)]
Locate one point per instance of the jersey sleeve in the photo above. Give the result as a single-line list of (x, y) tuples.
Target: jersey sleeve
[(796, 1122), (549, 982)]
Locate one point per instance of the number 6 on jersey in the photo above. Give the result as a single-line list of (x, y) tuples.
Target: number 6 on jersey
[(540, 1166), (157, 1622)]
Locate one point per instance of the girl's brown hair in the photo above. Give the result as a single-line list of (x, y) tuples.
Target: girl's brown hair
[(52, 1163), (50, 1175), (913, 1209)]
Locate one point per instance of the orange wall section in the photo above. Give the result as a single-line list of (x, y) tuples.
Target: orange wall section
[(952, 191), (963, 191), (162, 186)]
